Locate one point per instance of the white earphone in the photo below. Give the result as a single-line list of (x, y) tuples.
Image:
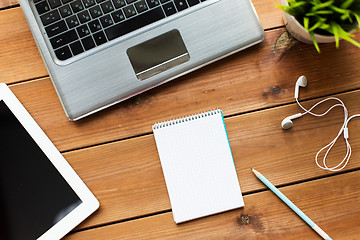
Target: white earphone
[(287, 124), (301, 82)]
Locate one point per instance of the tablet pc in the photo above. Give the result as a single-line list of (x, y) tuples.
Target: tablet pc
[(41, 196)]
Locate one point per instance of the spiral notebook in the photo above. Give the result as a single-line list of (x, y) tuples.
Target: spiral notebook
[(198, 166)]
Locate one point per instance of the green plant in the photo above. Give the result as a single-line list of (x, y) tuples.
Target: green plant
[(327, 17)]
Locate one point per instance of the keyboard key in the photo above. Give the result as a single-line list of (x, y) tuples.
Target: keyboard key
[(169, 8), (134, 23), (84, 16), (119, 3), (180, 5), (76, 48), (77, 6), (129, 11), (106, 21), (63, 53), (95, 12), (65, 11), (83, 31), (88, 3), (152, 3), (63, 39), (118, 16), (56, 28), (54, 3), (141, 6), (42, 7), (193, 2), (94, 26), (88, 43), (50, 17), (72, 21), (93, 16), (100, 38), (107, 7)]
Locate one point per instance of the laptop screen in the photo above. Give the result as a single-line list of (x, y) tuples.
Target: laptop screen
[(33, 194)]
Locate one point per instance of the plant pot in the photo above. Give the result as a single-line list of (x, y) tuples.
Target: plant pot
[(298, 31)]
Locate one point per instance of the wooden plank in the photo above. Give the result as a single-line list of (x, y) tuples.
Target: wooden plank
[(127, 179), (332, 203), (19, 56), (270, 16), (8, 3), (260, 77), (20, 59)]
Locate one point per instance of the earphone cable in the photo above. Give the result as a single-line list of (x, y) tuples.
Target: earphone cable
[(329, 146), (341, 104)]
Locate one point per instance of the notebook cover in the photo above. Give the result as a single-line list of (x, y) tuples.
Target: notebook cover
[(198, 166)]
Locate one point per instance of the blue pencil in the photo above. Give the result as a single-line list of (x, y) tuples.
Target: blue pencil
[(291, 205)]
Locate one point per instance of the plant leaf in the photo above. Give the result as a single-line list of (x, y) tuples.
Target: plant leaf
[(357, 19), (322, 5), (335, 31), (339, 10), (306, 23), (297, 4), (346, 4), (320, 12), (315, 26), (314, 41), (347, 36), (288, 10), (325, 27)]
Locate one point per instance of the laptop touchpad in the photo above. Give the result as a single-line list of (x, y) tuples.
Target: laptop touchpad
[(158, 54)]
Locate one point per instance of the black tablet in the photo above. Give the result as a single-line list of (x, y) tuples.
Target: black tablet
[(41, 196)]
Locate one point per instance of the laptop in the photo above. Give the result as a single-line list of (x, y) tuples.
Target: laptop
[(101, 52)]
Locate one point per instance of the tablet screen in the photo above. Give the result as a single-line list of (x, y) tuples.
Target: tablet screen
[(33, 194)]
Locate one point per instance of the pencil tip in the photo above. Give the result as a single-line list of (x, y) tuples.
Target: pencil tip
[(255, 172), (251, 168)]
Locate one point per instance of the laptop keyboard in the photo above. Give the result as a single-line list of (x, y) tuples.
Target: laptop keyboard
[(75, 26)]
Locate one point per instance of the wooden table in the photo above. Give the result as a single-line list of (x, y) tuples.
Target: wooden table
[(114, 151)]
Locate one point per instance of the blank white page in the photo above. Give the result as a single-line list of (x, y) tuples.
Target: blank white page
[(198, 165)]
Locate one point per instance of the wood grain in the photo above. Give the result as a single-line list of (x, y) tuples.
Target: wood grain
[(257, 78), (332, 203), (115, 154), (8, 3), (127, 179), (19, 57)]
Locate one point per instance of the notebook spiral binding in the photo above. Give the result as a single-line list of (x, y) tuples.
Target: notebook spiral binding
[(186, 119)]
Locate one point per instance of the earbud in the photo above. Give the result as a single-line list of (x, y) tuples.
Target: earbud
[(301, 82), (287, 123)]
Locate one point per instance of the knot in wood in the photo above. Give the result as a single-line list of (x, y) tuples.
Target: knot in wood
[(276, 89), (283, 41), (245, 219), (140, 100)]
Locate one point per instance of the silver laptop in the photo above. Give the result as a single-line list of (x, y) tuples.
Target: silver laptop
[(101, 52)]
